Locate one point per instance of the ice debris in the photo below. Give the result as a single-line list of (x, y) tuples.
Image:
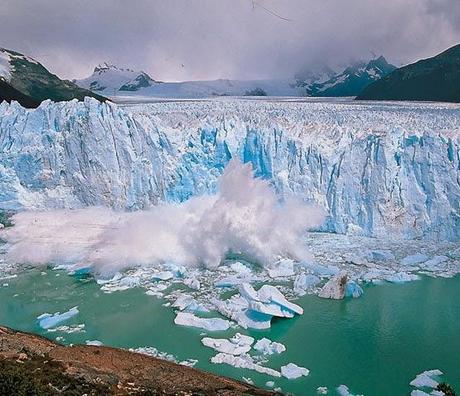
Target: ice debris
[(282, 268), (352, 289), (292, 371), (237, 345), (335, 287), (426, 379), (47, 321), (322, 390), (267, 347), (343, 390), (414, 259), (244, 361), (188, 303), (209, 324), (304, 282)]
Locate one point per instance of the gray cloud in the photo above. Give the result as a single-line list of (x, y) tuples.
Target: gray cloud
[(205, 39)]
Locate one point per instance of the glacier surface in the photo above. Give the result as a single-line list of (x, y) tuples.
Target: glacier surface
[(376, 168)]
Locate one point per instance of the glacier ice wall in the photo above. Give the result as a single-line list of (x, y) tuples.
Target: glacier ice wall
[(377, 169)]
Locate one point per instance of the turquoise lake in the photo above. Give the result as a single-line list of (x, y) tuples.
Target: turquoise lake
[(375, 344)]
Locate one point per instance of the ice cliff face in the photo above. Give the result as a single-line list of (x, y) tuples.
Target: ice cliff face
[(381, 169)]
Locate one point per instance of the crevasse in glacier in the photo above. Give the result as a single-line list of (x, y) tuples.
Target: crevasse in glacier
[(377, 169)]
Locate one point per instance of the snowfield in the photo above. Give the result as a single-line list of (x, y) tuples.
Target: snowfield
[(376, 168)]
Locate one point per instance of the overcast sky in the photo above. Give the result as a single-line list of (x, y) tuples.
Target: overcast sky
[(207, 39)]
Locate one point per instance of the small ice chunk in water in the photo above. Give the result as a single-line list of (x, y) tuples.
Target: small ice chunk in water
[(352, 289), (414, 259), (401, 277), (94, 343), (425, 379), (282, 268), (243, 361), (163, 275), (321, 390), (209, 324), (270, 384), (343, 390), (335, 287), (267, 347), (418, 392), (188, 303), (47, 321), (292, 371), (237, 345)]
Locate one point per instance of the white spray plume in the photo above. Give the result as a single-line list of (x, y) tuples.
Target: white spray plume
[(244, 217)]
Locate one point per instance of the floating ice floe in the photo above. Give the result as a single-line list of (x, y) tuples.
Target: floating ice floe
[(47, 321), (352, 289), (193, 283), (401, 277), (267, 347), (151, 351), (426, 379), (244, 361), (270, 384), (237, 345), (335, 287), (209, 324), (343, 390), (292, 371), (418, 392), (321, 390), (80, 328)]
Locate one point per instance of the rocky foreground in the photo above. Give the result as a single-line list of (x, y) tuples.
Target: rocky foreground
[(33, 365)]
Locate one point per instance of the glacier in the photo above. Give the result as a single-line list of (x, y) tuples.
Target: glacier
[(377, 169)]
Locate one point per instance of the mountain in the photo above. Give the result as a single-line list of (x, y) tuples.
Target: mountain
[(32, 79), (8, 93), (313, 74), (436, 79), (375, 170), (352, 80), (110, 79)]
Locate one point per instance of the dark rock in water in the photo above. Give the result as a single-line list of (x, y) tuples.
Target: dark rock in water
[(33, 365)]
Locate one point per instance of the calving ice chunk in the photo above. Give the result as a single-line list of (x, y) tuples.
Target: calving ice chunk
[(244, 217)]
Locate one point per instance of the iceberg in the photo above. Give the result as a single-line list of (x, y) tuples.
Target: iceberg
[(292, 371), (267, 347), (209, 324), (94, 343), (47, 321), (335, 287), (352, 289)]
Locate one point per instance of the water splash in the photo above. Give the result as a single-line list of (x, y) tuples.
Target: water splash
[(244, 218)]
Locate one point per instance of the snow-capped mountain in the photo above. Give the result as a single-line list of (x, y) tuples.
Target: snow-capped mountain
[(114, 81), (352, 80), (110, 79), (377, 170), (33, 80), (314, 74)]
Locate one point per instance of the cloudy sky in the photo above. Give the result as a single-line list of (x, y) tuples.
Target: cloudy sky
[(177, 40)]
